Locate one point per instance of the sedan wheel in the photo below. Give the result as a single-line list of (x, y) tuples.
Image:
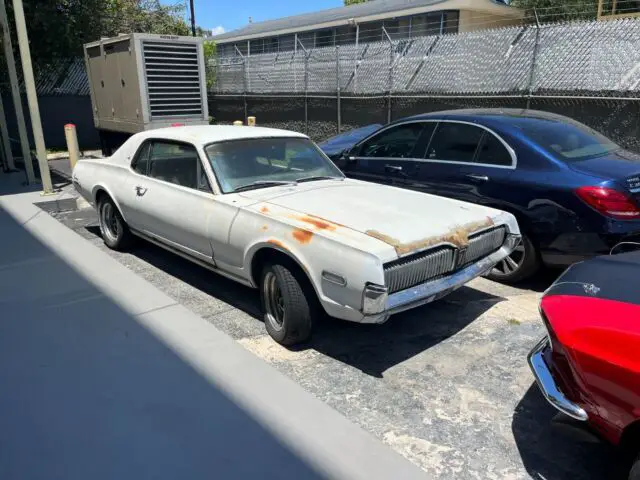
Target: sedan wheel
[(521, 264), (288, 316), (114, 230)]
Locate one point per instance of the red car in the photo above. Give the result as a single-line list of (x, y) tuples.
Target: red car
[(588, 366)]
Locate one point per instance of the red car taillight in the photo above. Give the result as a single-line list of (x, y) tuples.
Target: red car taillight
[(609, 202)]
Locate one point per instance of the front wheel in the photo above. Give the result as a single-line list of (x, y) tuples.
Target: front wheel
[(288, 317), (519, 265)]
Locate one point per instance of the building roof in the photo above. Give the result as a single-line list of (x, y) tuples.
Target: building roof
[(368, 11)]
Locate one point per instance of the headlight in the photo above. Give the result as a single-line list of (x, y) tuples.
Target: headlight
[(374, 299)]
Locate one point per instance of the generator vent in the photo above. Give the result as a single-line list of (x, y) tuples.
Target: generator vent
[(173, 79)]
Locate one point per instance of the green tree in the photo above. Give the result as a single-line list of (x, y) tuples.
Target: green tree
[(210, 53), (353, 2)]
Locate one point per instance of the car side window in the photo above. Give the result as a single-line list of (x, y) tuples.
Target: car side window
[(456, 142), (175, 163), (140, 162), (396, 142), (493, 152)]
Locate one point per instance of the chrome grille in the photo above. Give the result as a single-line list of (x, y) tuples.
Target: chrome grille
[(416, 269), (481, 245), (173, 76)]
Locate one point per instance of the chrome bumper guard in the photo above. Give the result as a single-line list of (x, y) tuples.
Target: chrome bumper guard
[(548, 385), (434, 289)]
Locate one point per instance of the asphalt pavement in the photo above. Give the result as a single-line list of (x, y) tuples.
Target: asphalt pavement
[(446, 385)]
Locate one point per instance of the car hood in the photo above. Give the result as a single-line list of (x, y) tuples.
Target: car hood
[(406, 220), (338, 144)]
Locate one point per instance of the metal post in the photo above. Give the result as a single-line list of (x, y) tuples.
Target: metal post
[(600, 5), (15, 93), (338, 99), (306, 87), (355, 67), (71, 137), (193, 18), (6, 142), (532, 77), (390, 79), (32, 97)]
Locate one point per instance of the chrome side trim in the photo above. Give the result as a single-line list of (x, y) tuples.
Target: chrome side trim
[(548, 385)]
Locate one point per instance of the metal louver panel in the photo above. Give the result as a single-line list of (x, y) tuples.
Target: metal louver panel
[(173, 79), (416, 269), (481, 245)]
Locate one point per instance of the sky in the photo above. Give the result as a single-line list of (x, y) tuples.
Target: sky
[(224, 16)]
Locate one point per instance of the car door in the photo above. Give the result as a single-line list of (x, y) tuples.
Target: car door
[(173, 201), (388, 156), (464, 161)]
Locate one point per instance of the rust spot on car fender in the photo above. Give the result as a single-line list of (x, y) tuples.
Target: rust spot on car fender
[(264, 228), (302, 236), (264, 209), (459, 237), (319, 223), (277, 243)]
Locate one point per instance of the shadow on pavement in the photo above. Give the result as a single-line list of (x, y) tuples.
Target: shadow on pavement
[(550, 443), (88, 392)]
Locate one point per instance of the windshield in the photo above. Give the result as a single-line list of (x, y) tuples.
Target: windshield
[(267, 162), (569, 141)]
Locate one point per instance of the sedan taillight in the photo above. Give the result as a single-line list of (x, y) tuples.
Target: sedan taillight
[(610, 202)]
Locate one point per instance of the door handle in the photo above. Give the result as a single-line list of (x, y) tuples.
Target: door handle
[(140, 191), (393, 168), (478, 178)]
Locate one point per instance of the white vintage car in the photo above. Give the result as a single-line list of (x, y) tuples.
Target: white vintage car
[(268, 209)]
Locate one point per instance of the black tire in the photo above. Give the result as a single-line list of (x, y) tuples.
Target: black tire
[(634, 474), (287, 304), (523, 263), (115, 232)]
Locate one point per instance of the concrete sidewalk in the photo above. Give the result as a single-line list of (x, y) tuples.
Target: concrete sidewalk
[(103, 376)]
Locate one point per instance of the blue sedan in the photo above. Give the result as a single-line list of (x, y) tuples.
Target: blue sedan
[(575, 193)]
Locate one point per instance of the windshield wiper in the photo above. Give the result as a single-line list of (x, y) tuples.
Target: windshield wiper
[(318, 177), (262, 184)]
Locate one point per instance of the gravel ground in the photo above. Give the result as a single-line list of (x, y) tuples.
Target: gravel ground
[(446, 385)]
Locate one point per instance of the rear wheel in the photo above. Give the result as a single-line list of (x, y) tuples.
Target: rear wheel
[(521, 264), (288, 315), (634, 474), (114, 230)]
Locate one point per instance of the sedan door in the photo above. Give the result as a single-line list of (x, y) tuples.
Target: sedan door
[(173, 201), (388, 156), (466, 162)]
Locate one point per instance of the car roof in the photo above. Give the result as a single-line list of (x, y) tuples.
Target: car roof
[(479, 114), (206, 134)]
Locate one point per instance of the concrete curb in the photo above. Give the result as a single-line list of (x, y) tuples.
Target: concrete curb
[(317, 433)]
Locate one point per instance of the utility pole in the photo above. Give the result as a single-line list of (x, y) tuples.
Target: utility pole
[(32, 97), (15, 93), (193, 18)]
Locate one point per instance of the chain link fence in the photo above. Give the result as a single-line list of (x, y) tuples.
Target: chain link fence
[(588, 70)]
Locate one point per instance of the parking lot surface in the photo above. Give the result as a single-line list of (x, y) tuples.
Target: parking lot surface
[(446, 385)]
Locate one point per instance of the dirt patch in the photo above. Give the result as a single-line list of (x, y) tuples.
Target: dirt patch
[(264, 228), (459, 237)]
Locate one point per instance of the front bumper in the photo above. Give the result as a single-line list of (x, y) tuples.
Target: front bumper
[(436, 289), (548, 385)]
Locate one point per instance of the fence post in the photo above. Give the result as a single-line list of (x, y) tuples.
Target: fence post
[(532, 77), (245, 67), (339, 115), (390, 79), (306, 86)]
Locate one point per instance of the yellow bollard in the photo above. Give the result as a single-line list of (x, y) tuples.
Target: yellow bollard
[(251, 121), (237, 123), (72, 144)]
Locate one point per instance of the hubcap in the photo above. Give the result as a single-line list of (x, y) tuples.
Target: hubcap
[(109, 222), (512, 263), (274, 302)]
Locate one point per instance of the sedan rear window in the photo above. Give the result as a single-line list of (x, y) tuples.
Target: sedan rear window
[(264, 161), (568, 141)]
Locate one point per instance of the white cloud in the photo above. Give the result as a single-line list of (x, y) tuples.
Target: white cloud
[(219, 30)]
